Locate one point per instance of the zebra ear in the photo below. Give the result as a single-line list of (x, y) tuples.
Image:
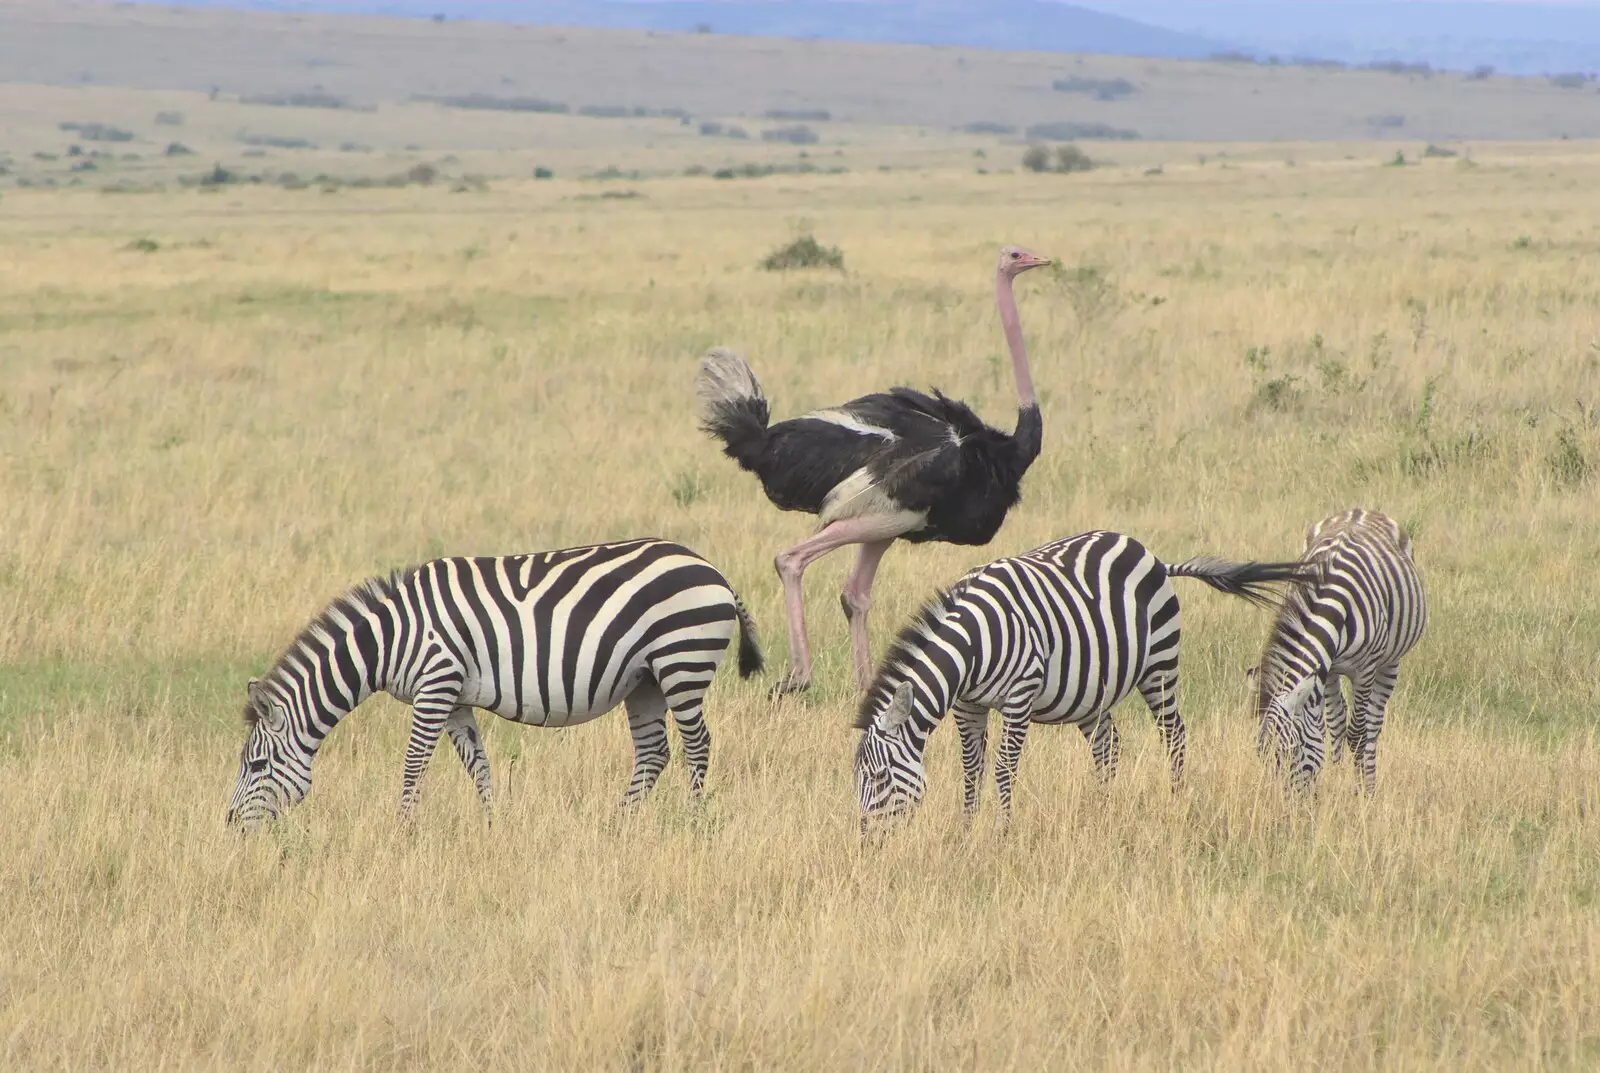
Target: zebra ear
[(895, 715), (270, 712)]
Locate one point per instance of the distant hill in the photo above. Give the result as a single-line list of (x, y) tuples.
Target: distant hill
[(1527, 38), (1032, 25), (373, 81)]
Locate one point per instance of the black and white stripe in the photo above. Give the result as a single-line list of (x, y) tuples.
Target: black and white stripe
[(1058, 635), (552, 639), (1361, 611)]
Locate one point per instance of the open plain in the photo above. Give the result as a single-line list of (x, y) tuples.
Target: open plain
[(222, 403)]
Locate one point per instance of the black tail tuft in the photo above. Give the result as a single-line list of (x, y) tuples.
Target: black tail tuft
[(732, 406), (750, 658), (1252, 581)]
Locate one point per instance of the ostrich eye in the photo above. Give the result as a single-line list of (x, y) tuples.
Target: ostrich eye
[(1015, 255)]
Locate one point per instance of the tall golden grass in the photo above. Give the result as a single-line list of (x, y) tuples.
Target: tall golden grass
[(200, 445)]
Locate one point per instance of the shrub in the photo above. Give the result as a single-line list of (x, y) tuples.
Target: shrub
[(1070, 158), (1101, 89), (169, 119), (422, 174), (1231, 56), (817, 115), (1401, 67), (1068, 130), (989, 126), (1066, 159), (804, 252), (1090, 292), (1567, 462), (274, 141), (543, 173), (1386, 122), (1570, 80), (178, 149), (1438, 151), (312, 99), (99, 132), (1481, 73), (485, 102), (143, 245), (796, 135)]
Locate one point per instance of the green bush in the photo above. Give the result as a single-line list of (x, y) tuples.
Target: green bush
[(804, 252)]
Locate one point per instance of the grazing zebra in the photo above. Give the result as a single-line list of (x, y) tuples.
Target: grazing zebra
[(1362, 609), (552, 639), (1058, 635)]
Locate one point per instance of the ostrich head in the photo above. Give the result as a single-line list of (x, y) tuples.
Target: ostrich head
[(1014, 261)]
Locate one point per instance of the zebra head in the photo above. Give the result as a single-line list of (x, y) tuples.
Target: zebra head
[(889, 774), (1282, 712), (274, 767)]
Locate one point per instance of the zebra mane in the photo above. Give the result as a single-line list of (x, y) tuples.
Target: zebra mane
[(332, 621), (904, 650), (1288, 611)]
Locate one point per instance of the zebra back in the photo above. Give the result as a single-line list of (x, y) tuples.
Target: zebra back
[(1362, 604)]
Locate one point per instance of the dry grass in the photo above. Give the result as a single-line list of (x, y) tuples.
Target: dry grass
[(201, 444)]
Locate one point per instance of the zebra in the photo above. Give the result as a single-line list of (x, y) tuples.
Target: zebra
[(551, 639), (1057, 635), (1362, 610)]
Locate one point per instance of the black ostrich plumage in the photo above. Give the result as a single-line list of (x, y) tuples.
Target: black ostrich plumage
[(927, 454)]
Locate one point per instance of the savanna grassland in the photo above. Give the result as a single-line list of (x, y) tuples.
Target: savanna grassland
[(219, 407)]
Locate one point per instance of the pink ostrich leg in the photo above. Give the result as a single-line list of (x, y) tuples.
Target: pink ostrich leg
[(875, 534)]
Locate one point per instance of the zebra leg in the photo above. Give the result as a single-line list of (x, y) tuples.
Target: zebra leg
[(1337, 716), (429, 712), (688, 713), (1309, 748), (647, 722), (1105, 745), (1013, 735), (1370, 699), (463, 731), (974, 726), (1161, 695)]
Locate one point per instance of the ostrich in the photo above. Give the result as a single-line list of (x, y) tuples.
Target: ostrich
[(897, 464)]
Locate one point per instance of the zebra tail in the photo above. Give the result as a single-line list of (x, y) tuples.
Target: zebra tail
[(750, 659), (733, 407), (1253, 581)]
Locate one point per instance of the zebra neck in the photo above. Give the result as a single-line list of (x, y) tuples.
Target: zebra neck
[(331, 674), (1285, 666), (933, 691)]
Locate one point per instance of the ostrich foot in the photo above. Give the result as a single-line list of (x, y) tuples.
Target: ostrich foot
[(790, 684)]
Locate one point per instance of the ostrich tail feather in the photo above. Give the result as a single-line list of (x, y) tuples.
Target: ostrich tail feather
[(733, 407)]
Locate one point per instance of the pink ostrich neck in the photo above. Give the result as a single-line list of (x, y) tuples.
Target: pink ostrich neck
[(1019, 352)]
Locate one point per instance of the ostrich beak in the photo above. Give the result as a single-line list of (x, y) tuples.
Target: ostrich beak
[(1033, 260)]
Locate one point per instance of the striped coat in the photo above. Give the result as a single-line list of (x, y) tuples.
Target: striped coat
[(1362, 611), (552, 639), (1056, 636)]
